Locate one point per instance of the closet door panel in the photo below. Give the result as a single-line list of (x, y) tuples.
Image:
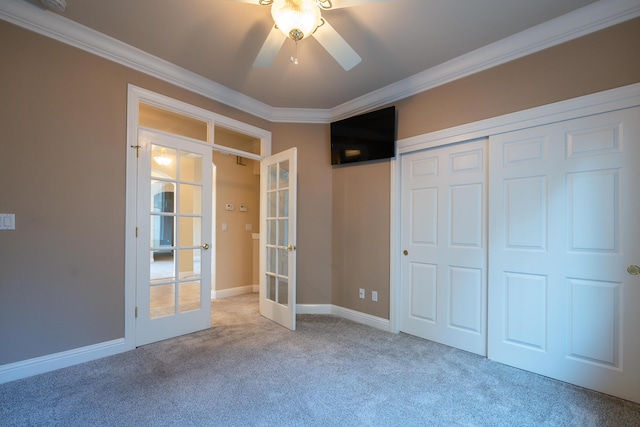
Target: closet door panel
[(443, 233), (563, 209)]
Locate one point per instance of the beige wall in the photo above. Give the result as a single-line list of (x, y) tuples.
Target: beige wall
[(603, 60), (236, 185), (314, 207), (360, 232), (62, 172)]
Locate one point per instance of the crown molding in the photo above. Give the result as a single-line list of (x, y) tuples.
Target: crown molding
[(48, 24), (300, 115), (588, 19), (583, 21)]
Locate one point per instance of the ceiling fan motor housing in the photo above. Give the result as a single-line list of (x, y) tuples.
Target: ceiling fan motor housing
[(296, 34), (297, 19)]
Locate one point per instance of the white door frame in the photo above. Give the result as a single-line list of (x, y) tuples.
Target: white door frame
[(135, 96), (601, 102)]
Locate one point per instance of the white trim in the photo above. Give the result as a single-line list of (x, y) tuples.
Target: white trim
[(614, 99), (69, 32), (591, 18), (232, 292), (363, 318), (300, 115), (314, 309), (345, 313), (601, 102), (583, 21), (51, 362), (394, 247)]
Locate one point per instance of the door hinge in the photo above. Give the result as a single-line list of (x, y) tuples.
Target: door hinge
[(136, 231), (136, 312), (137, 147)]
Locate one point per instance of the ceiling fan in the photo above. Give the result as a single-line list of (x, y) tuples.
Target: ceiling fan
[(299, 19)]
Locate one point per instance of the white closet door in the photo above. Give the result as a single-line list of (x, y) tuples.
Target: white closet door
[(564, 225), (443, 232)]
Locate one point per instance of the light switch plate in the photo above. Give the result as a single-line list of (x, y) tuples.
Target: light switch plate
[(7, 221)]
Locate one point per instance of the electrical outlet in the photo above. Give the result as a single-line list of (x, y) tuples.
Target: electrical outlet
[(7, 221), (374, 296), (361, 293)]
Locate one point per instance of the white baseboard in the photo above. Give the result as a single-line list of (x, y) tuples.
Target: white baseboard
[(356, 316), (40, 365), (364, 318), (51, 362), (232, 292), (313, 309)]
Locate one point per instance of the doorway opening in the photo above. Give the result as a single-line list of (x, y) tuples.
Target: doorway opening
[(237, 215), (232, 145)]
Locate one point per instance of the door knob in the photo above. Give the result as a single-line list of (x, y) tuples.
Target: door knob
[(291, 248), (205, 246), (633, 269), (405, 252)]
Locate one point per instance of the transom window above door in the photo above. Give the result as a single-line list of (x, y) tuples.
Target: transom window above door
[(224, 139), (168, 121)]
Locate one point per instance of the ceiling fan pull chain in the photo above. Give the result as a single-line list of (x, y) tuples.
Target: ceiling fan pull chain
[(294, 59)]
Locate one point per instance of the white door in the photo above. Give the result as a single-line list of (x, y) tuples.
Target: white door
[(443, 239), (173, 279), (564, 225), (278, 194)]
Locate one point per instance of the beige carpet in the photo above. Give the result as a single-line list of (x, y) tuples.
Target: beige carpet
[(248, 371)]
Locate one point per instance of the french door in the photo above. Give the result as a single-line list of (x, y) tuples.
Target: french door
[(278, 197), (174, 215), (443, 238)]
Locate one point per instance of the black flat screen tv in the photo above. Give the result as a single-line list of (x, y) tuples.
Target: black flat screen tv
[(369, 136)]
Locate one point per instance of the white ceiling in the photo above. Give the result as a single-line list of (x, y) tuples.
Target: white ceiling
[(397, 39)]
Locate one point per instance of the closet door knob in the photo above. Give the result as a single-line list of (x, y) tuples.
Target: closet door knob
[(633, 269), (405, 252)]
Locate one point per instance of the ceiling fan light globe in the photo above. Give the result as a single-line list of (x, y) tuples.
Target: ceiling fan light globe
[(297, 19)]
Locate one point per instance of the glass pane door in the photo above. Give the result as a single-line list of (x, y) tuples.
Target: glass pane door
[(174, 265), (175, 218), (278, 233), (277, 293)]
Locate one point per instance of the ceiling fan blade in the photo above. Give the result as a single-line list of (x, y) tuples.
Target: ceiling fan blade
[(270, 48), (337, 4), (333, 42)]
